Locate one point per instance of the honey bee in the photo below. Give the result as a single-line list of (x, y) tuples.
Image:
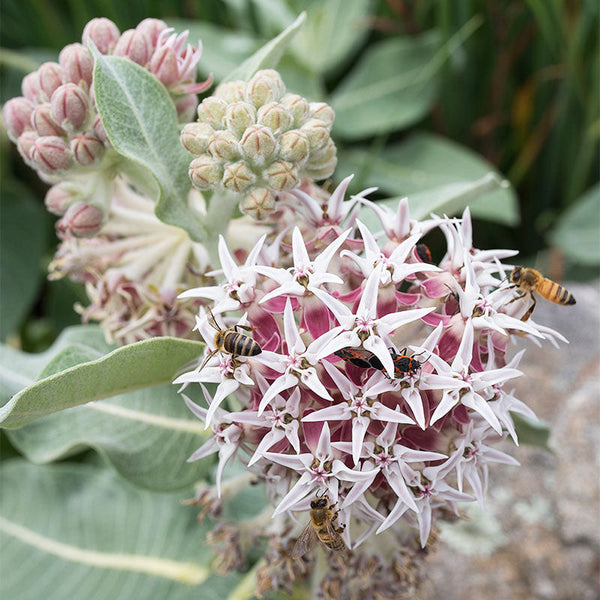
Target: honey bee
[(529, 280), (323, 526), (231, 341)]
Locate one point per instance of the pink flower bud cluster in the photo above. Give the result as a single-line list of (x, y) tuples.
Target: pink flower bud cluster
[(378, 376), (133, 269), (254, 139), (56, 125)]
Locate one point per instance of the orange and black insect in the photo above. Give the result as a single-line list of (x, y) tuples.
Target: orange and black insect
[(528, 281), (360, 357), (231, 341), (404, 364), (423, 253)]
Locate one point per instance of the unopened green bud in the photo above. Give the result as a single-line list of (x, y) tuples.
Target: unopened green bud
[(293, 146), (317, 133), (275, 117), (298, 107), (258, 143), (282, 175), (258, 204), (195, 137), (265, 86), (322, 170), (238, 176), (205, 172), (323, 155), (239, 116), (212, 111), (232, 91), (322, 111), (224, 146)]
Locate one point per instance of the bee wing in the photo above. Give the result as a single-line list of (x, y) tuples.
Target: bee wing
[(305, 542)]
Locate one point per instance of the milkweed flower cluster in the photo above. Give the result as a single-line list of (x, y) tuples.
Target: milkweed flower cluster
[(56, 125), (254, 139), (384, 377)]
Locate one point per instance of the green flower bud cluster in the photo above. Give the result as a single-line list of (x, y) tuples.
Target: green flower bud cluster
[(254, 139)]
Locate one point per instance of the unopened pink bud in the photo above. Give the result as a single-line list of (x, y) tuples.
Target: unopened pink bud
[(51, 77), (30, 86), (103, 32), (164, 66), (100, 131), (282, 175), (43, 122), (17, 116), (258, 204), (82, 220), (77, 64), (258, 143), (87, 148), (238, 176), (25, 143), (186, 108), (135, 46), (50, 153), (205, 172), (152, 28), (58, 198), (70, 105)]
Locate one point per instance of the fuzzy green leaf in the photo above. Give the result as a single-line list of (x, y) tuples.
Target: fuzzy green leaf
[(531, 433), (391, 87), (92, 535), (577, 233), (333, 30), (146, 434), (437, 175), (269, 55), (141, 123), (140, 365)]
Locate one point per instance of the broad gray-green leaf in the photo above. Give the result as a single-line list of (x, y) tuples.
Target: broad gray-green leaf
[(578, 231), (531, 433), (393, 83), (19, 369), (88, 534), (333, 30), (222, 49), (391, 87), (141, 123), (21, 274), (436, 175), (269, 55), (143, 364), (146, 435)]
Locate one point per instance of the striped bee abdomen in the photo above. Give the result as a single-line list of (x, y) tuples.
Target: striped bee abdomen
[(555, 292)]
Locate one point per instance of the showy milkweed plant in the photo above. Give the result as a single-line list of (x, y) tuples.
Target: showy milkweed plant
[(381, 375)]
